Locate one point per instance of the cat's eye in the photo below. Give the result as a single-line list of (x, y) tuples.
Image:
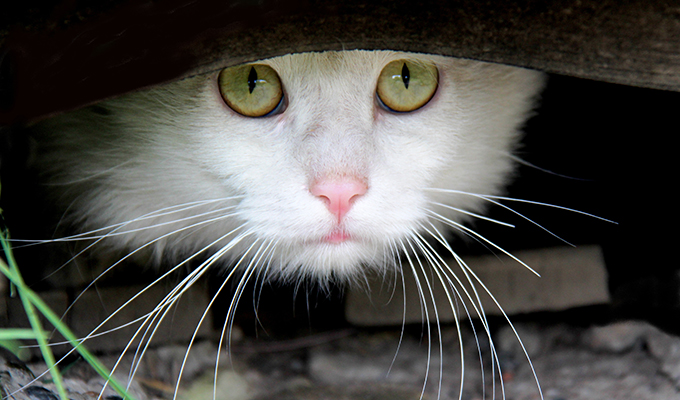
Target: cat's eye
[(406, 85), (253, 90)]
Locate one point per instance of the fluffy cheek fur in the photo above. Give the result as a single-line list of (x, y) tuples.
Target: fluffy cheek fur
[(180, 144)]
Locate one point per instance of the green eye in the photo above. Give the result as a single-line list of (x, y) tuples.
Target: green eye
[(253, 90), (406, 85)]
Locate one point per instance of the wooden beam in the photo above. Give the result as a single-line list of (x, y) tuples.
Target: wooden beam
[(68, 55)]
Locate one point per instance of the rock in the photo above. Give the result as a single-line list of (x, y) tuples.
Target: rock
[(617, 337), (666, 349), (508, 343)]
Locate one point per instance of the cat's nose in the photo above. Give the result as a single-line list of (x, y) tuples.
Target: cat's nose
[(339, 193)]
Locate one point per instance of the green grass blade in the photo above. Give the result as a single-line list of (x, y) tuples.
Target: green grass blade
[(31, 301), (19, 333), (12, 272), (10, 340)]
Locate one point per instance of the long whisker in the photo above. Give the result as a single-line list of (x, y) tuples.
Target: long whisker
[(421, 293), (114, 233), (520, 160), (178, 290), (90, 176), (479, 216), (130, 300), (170, 299), (262, 273), (229, 319), (262, 251), (205, 313), (432, 261), (393, 255), (96, 335), (155, 318), (493, 200), (140, 248), (470, 273), (93, 282), (476, 303), (472, 232), (90, 235), (445, 221), (175, 221), (400, 272), (489, 197)]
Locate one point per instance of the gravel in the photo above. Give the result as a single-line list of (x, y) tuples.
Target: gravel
[(626, 360)]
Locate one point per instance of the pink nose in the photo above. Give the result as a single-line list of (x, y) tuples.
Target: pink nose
[(339, 194)]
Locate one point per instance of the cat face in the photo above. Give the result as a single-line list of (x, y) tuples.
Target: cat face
[(326, 179)]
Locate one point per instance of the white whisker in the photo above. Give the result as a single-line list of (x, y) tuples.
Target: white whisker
[(138, 249), (112, 234), (426, 320), (520, 160), (491, 198), (396, 261), (421, 243), (229, 319), (472, 232), (470, 273), (165, 304), (250, 269), (90, 176), (476, 303), (93, 332), (181, 288), (175, 221), (102, 333), (479, 216), (435, 261), (205, 313), (171, 297), (90, 235), (400, 272), (262, 273)]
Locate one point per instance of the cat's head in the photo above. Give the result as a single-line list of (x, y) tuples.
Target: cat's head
[(315, 164)]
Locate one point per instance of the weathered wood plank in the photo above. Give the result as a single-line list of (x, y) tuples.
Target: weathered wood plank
[(64, 57)]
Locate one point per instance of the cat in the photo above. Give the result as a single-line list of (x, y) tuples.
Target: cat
[(312, 166)]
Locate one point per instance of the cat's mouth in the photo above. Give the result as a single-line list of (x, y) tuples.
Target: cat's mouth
[(337, 236)]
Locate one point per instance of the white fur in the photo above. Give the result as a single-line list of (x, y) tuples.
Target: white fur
[(180, 143)]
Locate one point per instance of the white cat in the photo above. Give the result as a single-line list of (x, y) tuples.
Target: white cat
[(330, 181), (307, 166)]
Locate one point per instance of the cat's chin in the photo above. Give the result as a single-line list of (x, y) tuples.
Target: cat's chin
[(338, 255)]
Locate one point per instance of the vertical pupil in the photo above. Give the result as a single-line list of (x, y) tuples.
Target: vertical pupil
[(252, 80), (405, 75)]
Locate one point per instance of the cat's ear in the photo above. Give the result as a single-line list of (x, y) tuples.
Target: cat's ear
[(406, 85), (252, 90)]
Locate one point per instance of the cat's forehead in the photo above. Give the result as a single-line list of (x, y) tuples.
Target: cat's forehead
[(332, 63)]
